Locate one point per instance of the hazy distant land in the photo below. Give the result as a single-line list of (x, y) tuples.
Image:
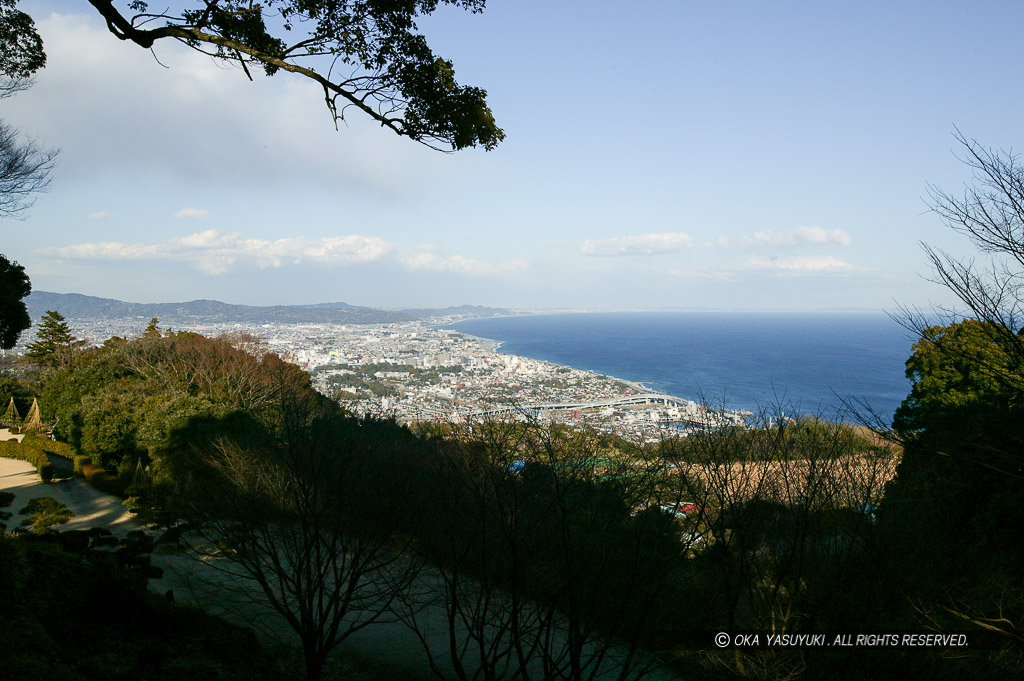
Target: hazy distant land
[(76, 306)]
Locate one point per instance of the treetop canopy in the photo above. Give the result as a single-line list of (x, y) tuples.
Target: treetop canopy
[(21, 48)]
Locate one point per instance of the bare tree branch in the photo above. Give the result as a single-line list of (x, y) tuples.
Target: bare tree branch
[(25, 169)]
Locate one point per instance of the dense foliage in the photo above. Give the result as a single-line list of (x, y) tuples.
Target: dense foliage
[(144, 399), (956, 507), (21, 48)]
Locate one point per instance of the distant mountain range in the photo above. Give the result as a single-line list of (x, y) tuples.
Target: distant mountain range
[(77, 306)]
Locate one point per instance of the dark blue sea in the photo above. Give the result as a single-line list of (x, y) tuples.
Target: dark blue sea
[(806, 363)]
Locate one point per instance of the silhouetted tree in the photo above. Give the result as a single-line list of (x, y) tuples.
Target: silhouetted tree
[(954, 512), (24, 165), (541, 566), (14, 317), (21, 48), (784, 511), (24, 171), (991, 215), (298, 517)]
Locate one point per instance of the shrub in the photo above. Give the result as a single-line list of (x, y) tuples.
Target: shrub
[(81, 461), (28, 452), (62, 449), (91, 470), (44, 444), (45, 469), (103, 480), (43, 513)]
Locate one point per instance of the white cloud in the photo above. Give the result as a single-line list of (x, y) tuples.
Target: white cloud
[(192, 213), (637, 244), (660, 243), (201, 122), (801, 236), (814, 263), (215, 252), (688, 273), (101, 215), (425, 260)]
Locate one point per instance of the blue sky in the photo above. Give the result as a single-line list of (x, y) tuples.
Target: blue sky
[(660, 155)]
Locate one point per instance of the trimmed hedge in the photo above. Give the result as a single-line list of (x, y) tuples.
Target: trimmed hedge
[(81, 461), (62, 449), (11, 449), (34, 451), (45, 469), (103, 480)]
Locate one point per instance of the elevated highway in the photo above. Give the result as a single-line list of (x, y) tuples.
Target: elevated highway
[(643, 399)]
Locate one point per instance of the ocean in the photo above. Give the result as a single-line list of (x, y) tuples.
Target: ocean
[(805, 363)]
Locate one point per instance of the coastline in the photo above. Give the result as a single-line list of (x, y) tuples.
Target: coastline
[(814, 362), (489, 344), (492, 345)]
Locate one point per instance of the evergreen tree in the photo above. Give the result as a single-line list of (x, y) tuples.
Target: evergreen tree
[(55, 343), (152, 329)]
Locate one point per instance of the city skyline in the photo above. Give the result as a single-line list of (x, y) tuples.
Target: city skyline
[(674, 156)]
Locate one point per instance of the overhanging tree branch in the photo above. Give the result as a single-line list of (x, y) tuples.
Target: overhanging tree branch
[(396, 79)]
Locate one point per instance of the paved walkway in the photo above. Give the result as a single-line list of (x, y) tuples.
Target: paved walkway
[(91, 507), (5, 434)]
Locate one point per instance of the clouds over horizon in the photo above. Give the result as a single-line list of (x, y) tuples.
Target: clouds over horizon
[(801, 236), (214, 253), (812, 263), (661, 243), (638, 244)]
